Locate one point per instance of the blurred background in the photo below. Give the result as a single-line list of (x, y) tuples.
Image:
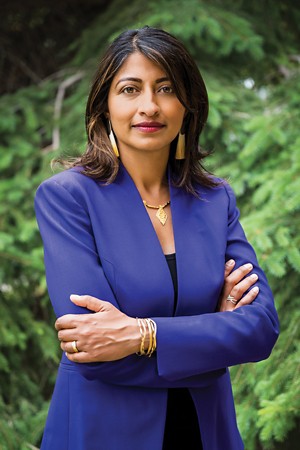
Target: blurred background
[(249, 54)]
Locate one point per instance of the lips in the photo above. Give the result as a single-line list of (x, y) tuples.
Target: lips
[(149, 127)]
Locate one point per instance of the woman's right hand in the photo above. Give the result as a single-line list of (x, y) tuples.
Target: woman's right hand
[(236, 283), (106, 334)]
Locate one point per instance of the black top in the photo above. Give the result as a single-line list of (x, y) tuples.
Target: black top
[(171, 260), (182, 429)]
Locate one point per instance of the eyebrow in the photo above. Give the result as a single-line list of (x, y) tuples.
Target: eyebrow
[(139, 80)]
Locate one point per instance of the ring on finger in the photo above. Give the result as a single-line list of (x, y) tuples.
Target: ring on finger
[(74, 347), (231, 299)]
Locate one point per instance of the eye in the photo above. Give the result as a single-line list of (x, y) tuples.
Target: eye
[(166, 90), (129, 90)]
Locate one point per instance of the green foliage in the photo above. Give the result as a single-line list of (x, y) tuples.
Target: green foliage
[(207, 26), (29, 352), (254, 135)]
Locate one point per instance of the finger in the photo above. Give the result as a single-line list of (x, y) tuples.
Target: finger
[(70, 347), (80, 357), (239, 289), (229, 267), (229, 306), (238, 274), (246, 300), (89, 302), (234, 278), (66, 321), (67, 335), (249, 297)]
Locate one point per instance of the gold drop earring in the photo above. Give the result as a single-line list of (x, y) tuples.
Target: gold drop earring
[(180, 148), (113, 140)]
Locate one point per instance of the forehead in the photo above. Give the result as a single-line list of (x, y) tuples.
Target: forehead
[(139, 66)]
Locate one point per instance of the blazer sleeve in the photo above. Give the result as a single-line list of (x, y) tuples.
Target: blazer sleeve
[(73, 265), (198, 344)]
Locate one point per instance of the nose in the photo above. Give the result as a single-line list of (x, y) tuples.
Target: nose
[(148, 104)]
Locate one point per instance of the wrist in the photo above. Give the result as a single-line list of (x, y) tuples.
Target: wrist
[(135, 335)]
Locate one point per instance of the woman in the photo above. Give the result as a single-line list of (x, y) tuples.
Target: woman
[(138, 229)]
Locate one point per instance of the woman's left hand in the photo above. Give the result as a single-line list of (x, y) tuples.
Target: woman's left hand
[(105, 335), (236, 284)]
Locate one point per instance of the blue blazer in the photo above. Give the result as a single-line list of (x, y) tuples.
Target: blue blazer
[(99, 240)]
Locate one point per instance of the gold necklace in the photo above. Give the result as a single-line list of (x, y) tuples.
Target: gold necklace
[(161, 213)]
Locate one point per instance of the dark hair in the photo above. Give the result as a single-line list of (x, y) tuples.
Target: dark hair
[(99, 160)]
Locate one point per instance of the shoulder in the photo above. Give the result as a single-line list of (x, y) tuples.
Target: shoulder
[(69, 183), (69, 179), (220, 198), (67, 190), (222, 191)]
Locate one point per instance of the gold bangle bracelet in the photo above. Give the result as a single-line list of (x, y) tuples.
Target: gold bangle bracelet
[(143, 336), (150, 337), (147, 325)]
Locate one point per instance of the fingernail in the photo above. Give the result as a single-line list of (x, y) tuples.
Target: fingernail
[(230, 262), (248, 266), (255, 289), (254, 276), (75, 297)]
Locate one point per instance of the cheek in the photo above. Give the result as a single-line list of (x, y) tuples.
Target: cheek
[(119, 111), (178, 117), (176, 110)]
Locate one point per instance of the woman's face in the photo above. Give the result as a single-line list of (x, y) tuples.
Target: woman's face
[(143, 109)]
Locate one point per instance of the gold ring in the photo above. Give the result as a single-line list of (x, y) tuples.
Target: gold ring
[(231, 299), (74, 346)]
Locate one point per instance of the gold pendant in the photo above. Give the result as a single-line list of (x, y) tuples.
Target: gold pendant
[(161, 215)]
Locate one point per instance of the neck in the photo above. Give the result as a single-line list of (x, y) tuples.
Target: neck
[(148, 172)]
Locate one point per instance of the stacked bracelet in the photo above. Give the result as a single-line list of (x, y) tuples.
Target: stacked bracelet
[(147, 328)]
